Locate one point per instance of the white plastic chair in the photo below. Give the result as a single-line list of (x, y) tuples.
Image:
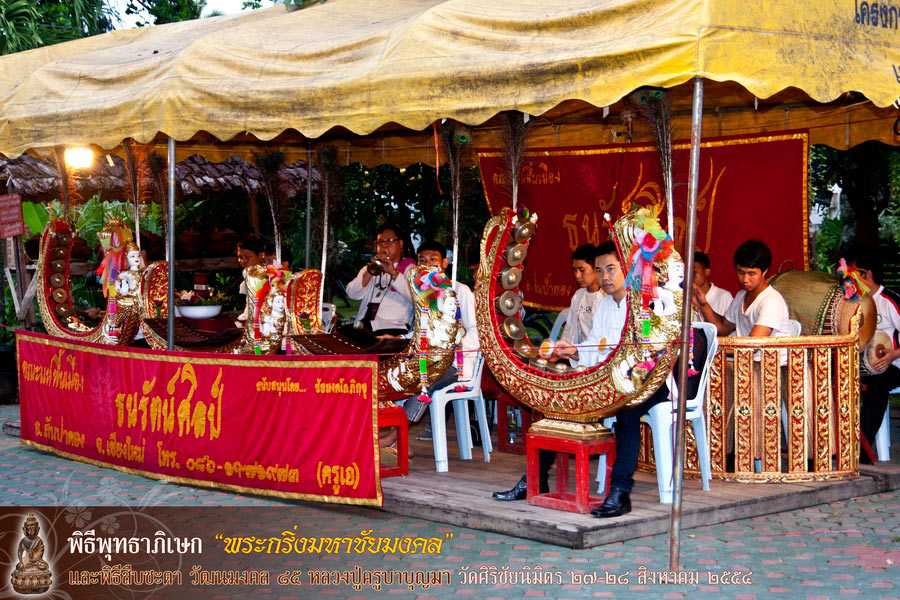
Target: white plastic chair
[(438, 408), (328, 312), (558, 324), (795, 329), (883, 435), (661, 419)]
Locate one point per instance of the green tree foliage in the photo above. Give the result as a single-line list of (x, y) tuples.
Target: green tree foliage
[(869, 175), (27, 24), (165, 11)]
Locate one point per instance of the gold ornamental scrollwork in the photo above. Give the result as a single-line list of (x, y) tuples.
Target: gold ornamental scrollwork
[(574, 395)]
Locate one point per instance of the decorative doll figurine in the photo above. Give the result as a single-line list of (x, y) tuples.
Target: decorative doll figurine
[(665, 301), (271, 327), (32, 574), (113, 238), (128, 282), (124, 299)]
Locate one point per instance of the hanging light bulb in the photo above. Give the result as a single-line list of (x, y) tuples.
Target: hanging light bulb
[(79, 158)]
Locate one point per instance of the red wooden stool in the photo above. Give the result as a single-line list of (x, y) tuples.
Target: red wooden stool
[(562, 499), (395, 416)]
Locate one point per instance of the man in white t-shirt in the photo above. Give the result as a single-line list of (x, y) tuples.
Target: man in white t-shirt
[(758, 310), (716, 297), (433, 254), (581, 308), (876, 389)]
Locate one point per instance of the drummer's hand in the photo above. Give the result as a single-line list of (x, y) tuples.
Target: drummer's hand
[(94, 313), (881, 364), (387, 336)]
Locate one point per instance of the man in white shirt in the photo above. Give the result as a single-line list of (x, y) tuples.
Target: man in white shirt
[(876, 388), (386, 307), (433, 254), (758, 310), (716, 297), (581, 308)]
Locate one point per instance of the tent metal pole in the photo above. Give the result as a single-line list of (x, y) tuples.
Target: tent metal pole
[(170, 248), (688, 256), (325, 207), (308, 203)]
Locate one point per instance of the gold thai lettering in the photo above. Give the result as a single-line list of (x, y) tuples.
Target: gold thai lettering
[(124, 575), (337, 476), (545, 287), (280, 386), (342, 386), (53, 375), (58, 433), (531, 173), (290, 543), (195, 417), (248, 577), (276, 473), (124, 450)]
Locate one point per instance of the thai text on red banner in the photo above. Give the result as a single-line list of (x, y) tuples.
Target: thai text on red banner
[(749, 187), (292, 427)]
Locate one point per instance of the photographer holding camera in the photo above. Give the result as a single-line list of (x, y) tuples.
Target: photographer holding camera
[(386, 307)]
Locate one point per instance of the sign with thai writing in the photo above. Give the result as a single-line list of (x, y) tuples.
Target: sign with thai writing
[(11, 221), (750, 187), (293, 427)]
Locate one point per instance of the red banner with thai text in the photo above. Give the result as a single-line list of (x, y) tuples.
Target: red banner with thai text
[(293, 427), (749, 187)]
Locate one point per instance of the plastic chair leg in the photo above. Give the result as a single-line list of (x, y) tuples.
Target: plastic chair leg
[(463, 435), (480, 414), (439, 436), (661, 429), (883, 437), (601, 474), (699, 426)]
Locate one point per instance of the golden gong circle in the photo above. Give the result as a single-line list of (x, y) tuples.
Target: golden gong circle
[(509, 303), (59, 295), (510, 277), (515, 254), (64, 238), (64, 310), (58, 266), (60, 252), (57, 280)]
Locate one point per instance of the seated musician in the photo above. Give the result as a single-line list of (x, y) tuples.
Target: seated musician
[(758, 310), (386, 308), (716, 297), (584, 301), (606, 331), (434, 254), (876, 388)]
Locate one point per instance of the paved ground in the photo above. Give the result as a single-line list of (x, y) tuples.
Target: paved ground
[(838, 550)]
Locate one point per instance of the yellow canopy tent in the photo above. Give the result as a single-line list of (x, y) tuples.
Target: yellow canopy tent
[(393, 68), (387, 70)]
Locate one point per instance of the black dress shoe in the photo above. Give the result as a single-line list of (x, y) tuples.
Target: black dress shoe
[(617, 503), (520, 491)]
